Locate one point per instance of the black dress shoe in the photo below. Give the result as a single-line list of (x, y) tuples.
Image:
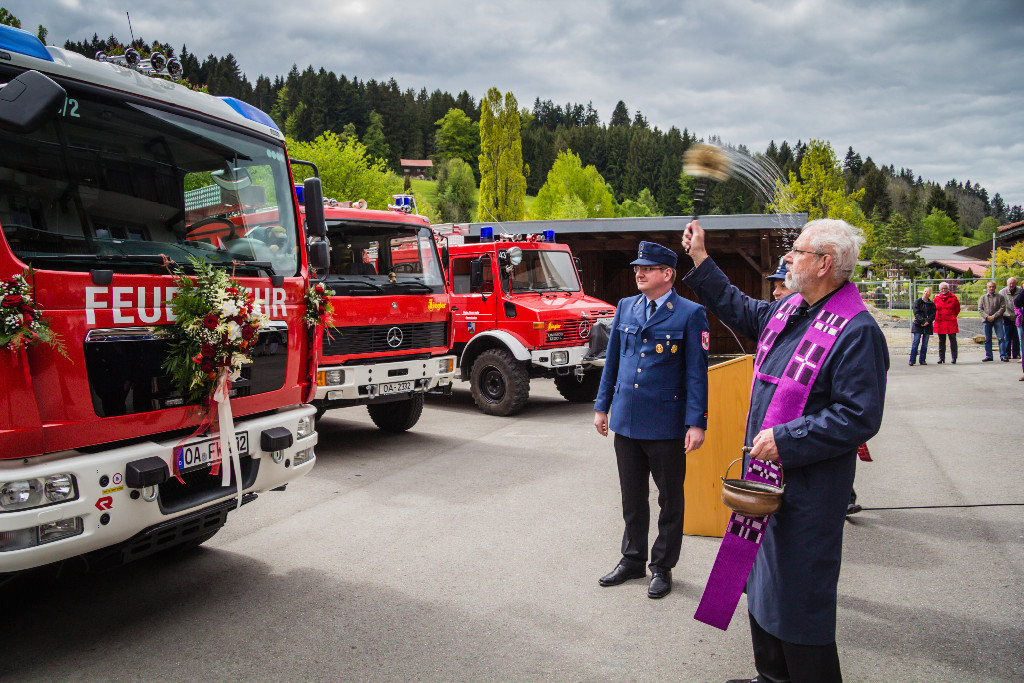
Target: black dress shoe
[(853, 509), (661, 584), (755, 679), (621, 574), (923, 363)]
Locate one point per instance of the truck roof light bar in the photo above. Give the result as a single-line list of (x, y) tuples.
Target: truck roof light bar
[(23, 43), (155, 65)]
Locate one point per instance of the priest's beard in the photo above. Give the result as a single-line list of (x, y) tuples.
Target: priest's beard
[(796, 281)]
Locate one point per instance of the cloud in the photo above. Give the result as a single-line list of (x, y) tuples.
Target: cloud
[(929, 86)]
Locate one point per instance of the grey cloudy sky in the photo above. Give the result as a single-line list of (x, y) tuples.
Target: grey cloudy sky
[(932, 85)]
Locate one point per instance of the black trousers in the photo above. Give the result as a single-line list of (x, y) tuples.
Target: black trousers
[(780, 662), (665, 461), (942, 346)]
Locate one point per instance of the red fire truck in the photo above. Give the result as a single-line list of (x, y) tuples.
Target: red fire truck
[(519, 312), (390, 338), (109, 177)]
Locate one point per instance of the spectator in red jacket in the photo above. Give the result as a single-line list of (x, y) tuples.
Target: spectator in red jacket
[(947, 308)]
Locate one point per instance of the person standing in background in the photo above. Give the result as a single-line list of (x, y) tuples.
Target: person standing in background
[(947, 308), (990, 308), (1011, 338), (779, 277), (1018, 306), (924, 317)]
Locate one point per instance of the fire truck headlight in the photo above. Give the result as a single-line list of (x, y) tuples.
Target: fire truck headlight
[(59, 487), (18, 495), (132, 58), (305, 427), (302, 456), (446, 366), (559, 357), (174, 68), (330, 378)]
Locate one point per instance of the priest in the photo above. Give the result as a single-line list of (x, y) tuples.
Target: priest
[(818, 393)]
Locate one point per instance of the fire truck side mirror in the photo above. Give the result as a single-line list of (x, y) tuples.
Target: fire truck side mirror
[(579, 265), (29, 101), (313, 198), (319, 254), (476, 274), (444, 258)]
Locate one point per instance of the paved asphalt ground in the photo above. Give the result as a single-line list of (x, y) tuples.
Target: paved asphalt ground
[(469, 550)]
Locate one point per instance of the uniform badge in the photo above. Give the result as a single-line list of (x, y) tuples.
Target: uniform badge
[(669, 304), (674, 348), (659, 348), (705, 340)]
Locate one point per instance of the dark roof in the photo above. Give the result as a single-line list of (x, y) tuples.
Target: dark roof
[(747, 221)]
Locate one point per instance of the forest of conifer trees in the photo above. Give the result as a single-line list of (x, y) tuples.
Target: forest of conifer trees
[(628, 153)]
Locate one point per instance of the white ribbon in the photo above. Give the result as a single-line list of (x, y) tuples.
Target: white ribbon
[(228, 445)]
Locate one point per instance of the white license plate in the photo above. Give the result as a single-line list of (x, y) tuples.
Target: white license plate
[(394, 388), (203, 453)]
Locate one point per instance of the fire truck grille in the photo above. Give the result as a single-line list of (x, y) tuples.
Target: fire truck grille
[(126, 377), (408, 337), (569, 332)]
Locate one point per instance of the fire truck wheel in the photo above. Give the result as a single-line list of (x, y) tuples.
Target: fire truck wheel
[(398, 416), (499, 383), (579, 391)]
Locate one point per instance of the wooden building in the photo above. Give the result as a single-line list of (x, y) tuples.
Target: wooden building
[(747, 247)]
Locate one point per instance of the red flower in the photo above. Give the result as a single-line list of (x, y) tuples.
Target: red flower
[(12, 300), (248, 332), (210, 321), (26, 320), (208, 365), (209, 350), (232, 291)]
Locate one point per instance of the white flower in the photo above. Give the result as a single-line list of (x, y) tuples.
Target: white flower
[(235, 374), (234, 331), (229, 309)]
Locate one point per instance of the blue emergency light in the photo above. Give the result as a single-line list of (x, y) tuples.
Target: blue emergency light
[(549, 235), (487, 234), (23, 43), (299, 189)]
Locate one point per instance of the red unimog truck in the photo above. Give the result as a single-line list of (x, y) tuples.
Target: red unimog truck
[(519, 312)]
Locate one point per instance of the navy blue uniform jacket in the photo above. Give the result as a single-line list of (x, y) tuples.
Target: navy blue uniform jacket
[(656, 394), (792, 588)]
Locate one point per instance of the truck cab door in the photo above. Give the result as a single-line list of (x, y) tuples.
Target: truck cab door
[(474, 299)]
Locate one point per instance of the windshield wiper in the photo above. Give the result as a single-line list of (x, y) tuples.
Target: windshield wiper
[(354, 284), (427, 289), (265, 266), (158, 259)]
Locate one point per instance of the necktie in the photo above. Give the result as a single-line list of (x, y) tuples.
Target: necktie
[(651, 309)]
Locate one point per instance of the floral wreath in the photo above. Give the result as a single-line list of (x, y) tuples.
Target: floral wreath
[(319, 309), (216, 329), (21, 321)]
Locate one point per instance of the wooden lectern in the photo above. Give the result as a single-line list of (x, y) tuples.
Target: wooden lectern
[(729, 379)]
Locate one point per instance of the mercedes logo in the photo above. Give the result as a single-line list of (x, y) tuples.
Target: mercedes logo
[(395, 337), (584, 329)]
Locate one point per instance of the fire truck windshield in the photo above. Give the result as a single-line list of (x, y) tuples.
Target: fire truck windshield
[(542, 271), (370, 258), (118, 185)]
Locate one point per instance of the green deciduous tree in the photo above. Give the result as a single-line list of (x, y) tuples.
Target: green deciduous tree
[(570, 186), (939, 228), (988, 225), (457, 137), (502, 178), (643, 205), (346, 169), (455, 186), (820, 190)]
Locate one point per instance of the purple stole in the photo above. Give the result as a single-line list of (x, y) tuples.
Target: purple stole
[(743, 534)]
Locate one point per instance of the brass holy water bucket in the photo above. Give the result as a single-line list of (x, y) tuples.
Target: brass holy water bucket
[(750, 498)]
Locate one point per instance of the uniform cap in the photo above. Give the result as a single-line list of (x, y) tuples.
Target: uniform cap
[(779, 274), (653, 254)]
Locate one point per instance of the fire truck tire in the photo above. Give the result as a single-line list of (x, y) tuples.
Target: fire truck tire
[(398, 416), (579, 391), (499, 383)]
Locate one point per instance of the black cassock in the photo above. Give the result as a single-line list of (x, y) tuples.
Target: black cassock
[(791, 591)]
